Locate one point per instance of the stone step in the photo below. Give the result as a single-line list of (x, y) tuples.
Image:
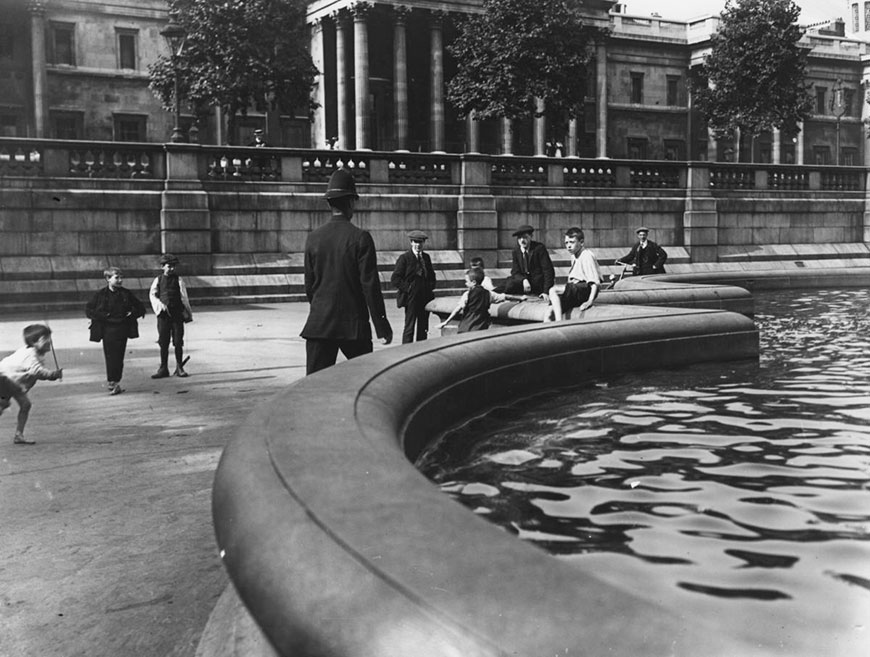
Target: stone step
[(40, 283)]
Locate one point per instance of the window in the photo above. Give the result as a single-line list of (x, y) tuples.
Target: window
[(67, 125), (9, 125), (855, 26), (637, 88), (866, 15), (673, 90), (848, 101), (675, 149), (849, 156), (7, 41), (129, 127), (127, 49), (637, 147), (62, 44), (822, 154), (821, 93)]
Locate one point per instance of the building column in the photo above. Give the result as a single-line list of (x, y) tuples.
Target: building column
[(540, 127), (799, 144), (571, 149), (436, 130), (318, 124), (472, 133), (507, 137), (776, 147), (37, 50), (342, 97), (601, 100), (361, 74), (400, 76)]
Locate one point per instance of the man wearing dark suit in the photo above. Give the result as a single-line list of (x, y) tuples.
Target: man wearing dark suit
[(646, 256), (414, 280), (532, 270), (342, 284)]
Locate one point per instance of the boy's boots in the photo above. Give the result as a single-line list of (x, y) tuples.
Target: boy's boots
[(162, 371), (179, 362)]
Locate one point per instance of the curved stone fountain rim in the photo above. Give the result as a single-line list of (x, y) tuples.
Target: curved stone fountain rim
[(338, 546)]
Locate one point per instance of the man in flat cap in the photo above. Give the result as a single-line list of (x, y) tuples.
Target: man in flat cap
[(532, 270), (414, 281), (342, 283), (646, 256)]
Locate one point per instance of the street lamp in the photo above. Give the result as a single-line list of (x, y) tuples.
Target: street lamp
[(838, 109), (175, 38)]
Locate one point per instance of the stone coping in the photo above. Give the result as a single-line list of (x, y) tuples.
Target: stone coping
[(338, 546)]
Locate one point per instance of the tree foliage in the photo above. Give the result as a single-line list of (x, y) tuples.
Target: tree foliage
[(239, 54), (521, 50), (755, 77)]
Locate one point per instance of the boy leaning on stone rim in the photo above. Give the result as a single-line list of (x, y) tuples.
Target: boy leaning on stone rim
[(170, 303)]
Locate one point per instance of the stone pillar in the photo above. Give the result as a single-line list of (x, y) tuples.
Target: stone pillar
[(864, 92), (712, 145), (436, 130), (476, 215), (342, 97), (776, 147), (701, 217), (601, 100), (185, 218), (540, 127), (400, 77), (37, 50), (318, 125), (572, 150), (507, 137), (472, 130), (799, 145), (361, 74)]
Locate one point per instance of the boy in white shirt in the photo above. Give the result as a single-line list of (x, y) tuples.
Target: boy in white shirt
[(584, 277), (20, 371)]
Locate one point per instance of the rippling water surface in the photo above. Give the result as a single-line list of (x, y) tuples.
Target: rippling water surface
[(717, 488)]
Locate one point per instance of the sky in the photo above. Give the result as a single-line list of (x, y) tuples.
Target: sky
[(812, 11)]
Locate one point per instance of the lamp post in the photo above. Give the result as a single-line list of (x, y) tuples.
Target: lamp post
[(838, 109), (175, 37)]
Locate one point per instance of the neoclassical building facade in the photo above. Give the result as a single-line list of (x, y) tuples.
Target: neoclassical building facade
[(75, 69)]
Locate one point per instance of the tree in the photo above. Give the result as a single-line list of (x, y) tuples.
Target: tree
[(519, 51), (239, 54), (754, 79)]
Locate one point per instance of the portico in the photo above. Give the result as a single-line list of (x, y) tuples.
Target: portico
[(382, 84)]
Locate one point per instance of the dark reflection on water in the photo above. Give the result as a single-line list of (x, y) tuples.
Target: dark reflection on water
[(746, 481)]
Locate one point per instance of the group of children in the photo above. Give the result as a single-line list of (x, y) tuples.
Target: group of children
[(114, 312)]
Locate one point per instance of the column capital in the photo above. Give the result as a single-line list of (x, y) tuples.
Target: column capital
[(36, 6), (401, 13), (361, 10), (341, 16), (436, 17)]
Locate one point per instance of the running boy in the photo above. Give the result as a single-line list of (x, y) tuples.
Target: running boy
[(474, 305), (21, 370)]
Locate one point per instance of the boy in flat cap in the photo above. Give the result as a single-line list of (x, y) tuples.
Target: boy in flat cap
[(646, 256), (532, 271), (414, 281), (342, 283), (171, 304)]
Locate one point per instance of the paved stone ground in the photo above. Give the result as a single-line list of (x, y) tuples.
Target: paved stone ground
[(106, 541)]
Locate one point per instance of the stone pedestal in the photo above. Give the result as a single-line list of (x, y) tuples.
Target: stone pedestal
[(701, 218)]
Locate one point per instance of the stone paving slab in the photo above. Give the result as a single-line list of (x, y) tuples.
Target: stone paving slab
[(107, 547)]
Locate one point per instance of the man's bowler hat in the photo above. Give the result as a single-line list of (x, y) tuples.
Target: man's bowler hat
[(417, 236), (642, 229), (341, 184), (168, 259), (523, 230)]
